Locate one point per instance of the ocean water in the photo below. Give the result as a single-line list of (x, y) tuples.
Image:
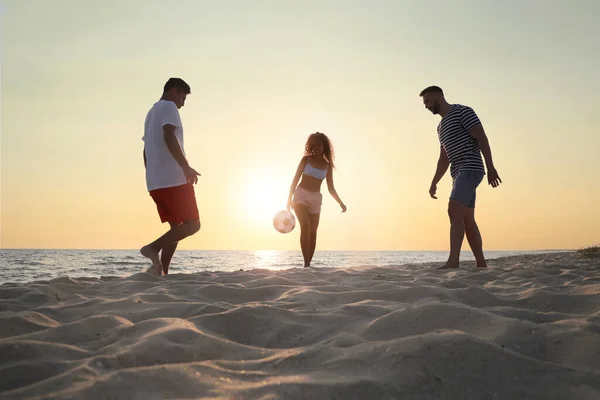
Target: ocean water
[(24, 265)]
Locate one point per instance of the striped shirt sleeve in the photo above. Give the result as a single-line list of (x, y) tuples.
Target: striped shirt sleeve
[(468, 118)]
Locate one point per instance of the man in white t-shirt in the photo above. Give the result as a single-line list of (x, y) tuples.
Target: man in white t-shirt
[(169, 177)]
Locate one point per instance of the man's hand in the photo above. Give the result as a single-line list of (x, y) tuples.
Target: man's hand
[(432, 190), (191, 174), (493, 178)]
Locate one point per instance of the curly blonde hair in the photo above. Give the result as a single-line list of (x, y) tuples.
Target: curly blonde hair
[(328, 152)]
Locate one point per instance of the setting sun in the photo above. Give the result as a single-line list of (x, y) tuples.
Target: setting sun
[(261, 199)]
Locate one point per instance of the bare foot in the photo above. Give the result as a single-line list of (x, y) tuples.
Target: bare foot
[(156, 268), (482, 266), (449, 265)]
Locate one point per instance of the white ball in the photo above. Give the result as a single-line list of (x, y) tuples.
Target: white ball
[(284, 221)]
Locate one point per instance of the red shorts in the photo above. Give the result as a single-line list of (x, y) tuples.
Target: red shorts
[(176, 204)]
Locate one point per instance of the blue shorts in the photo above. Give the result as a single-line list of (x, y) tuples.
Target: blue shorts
[(464, 187)]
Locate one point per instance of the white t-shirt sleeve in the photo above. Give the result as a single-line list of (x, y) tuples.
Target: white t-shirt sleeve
[(169, 115)]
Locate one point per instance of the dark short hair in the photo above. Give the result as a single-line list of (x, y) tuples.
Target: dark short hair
[(431, 89), (177, 83)]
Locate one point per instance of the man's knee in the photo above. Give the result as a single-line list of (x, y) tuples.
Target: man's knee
[(469, 216), (457, 210), (192, 226)]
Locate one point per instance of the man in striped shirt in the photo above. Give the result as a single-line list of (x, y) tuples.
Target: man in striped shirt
[(462, 141)]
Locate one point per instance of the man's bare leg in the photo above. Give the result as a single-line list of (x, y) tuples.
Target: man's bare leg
[(166, 255), (474, 237), (456, 212), (175, 234), (149, 252)]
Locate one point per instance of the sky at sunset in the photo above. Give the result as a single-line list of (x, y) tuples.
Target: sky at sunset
[(78, 77)]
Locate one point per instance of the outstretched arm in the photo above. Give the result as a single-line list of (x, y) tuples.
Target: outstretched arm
[(332, 190), (442, 167), (295, 181), (484, 145), (175, 150), (173, 145)]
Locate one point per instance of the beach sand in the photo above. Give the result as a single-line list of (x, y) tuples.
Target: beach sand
[(527, 328)]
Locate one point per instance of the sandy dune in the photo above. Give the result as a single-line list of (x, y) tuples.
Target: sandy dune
[(528, 328)]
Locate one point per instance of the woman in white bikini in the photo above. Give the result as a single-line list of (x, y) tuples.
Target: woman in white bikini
[(306, 197)]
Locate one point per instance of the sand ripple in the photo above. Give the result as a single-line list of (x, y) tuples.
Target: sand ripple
[(528, 328)]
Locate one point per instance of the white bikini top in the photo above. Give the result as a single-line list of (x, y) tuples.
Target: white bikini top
[(315, 172)]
